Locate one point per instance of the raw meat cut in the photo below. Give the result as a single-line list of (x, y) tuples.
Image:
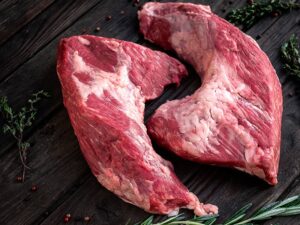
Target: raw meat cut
[(234, 118), (105, 83)]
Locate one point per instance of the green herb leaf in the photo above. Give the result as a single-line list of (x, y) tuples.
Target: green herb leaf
[(252, 13), (211, 221), (16, 122), (238, 215), (290, 56), (287, 207)]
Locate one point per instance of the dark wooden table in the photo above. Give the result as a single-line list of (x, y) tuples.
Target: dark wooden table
[(29, 34)]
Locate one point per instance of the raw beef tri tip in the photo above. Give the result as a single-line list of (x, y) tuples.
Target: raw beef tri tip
[(234, 118), (105, 83)]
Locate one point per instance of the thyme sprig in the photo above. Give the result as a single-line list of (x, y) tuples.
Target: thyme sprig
[(250, 14), (287, 207), (290, 55), (16, 122)]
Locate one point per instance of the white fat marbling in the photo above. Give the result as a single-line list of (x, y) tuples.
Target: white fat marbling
[(117, 84), (83, 41)]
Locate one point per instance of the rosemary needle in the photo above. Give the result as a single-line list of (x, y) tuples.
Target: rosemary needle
[(287, 207)]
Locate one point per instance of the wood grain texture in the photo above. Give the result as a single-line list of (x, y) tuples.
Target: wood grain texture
[(39, 32), (294, 190), (66, 184), (39, 72), (54, 149), (223, 186), (15, 14), (34, 73)]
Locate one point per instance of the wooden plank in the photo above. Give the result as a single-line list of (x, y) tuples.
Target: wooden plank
[(227, 188), (230, 197), (102, 206), (15, 14), (92, 199), (33, 211), (294, 190), (34, 73), (39, 32), (91, 202), (57, 168), (35, 35), (205, 179), (39, 72)]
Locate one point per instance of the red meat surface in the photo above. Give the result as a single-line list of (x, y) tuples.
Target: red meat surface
[(105, 83), (234, 118)]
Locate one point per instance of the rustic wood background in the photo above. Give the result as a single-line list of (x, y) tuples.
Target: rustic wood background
[(29, 34)]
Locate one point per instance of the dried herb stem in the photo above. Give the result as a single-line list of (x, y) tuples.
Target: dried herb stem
[(16, 122)]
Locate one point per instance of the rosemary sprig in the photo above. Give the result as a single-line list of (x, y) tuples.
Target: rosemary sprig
[(287, 207), (16, 122), (250, 14), (290, 55), (180, 219)]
